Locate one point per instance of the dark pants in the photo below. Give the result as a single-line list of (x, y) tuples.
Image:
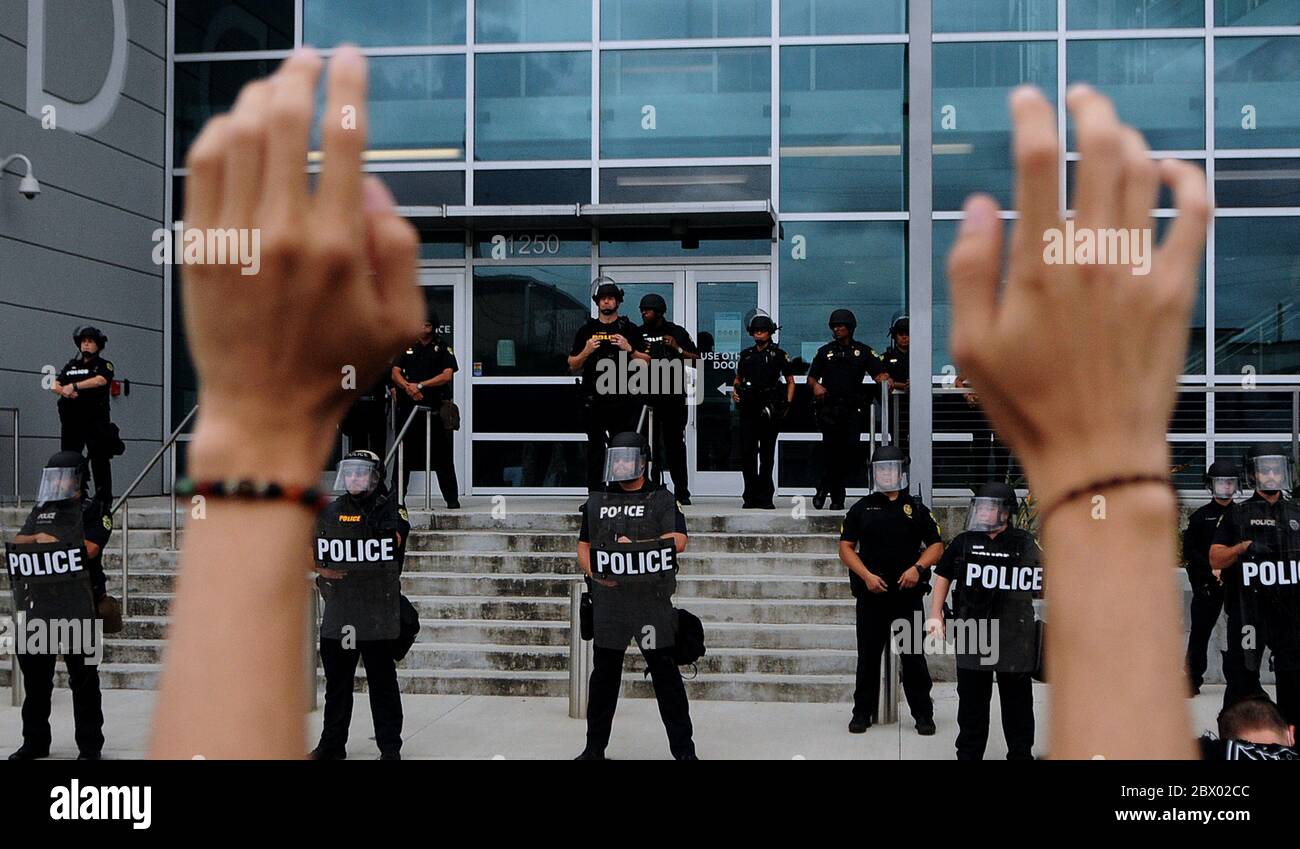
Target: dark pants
[(974, 693), (841, 448), (440, 458), (876, 613), (366, 427), (670, 693), (78, 431), (758, 456), (381, 682), (604, 420), (1207, 604), (670, 432), (1242, 683), (87, 707)]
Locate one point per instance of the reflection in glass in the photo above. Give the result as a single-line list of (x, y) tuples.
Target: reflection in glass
[(972, 121), (514, 21), (1257, 295), (532, 106), (1255, 85), (843, 17), (625, 20), (1135, 14), (1256, 182), (210, 26), (842, 128), (525, 317), (204, 89), (685, 185), (531, 463), (1256, 13), (994, 15), (1158, 86), (826, 265), (327, 23), (543, 186), (660, 103)]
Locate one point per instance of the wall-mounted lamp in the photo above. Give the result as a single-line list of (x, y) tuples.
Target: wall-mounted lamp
[(28, 187)]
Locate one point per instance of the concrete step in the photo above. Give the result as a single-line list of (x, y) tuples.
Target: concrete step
[(475, 541)]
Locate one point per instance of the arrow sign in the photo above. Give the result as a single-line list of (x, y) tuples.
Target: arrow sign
[(725, 388)]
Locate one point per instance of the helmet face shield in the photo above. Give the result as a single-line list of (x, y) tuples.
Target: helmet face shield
[(889, 476), (987, 514), (1223, 487), (357, 477), (59, 483), (1272, 472), (624, 463)]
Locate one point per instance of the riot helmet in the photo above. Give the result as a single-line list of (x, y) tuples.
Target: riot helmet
[(359, 474), (656, 303), (1268, 468), (992, 508), (844, 317), (889, 470), (625, 459), (605, 287), (88, 332), (759, 320), (1222, 479), (899, 327), (62, 477)]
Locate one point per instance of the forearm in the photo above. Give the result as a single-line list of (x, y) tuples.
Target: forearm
[(576, 360), (849, 557), (1224, 556), (931, 555), (584, 558), (1114, 652), (939, 596), (443, 378)]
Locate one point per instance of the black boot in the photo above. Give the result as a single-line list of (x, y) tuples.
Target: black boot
[(320, 753), (29, 753)]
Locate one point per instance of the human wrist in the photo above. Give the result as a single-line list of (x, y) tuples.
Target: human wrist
[(266, 445), (1055, 473)]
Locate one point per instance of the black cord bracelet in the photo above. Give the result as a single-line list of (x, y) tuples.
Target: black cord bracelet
[(249, 490), (1095, 486)]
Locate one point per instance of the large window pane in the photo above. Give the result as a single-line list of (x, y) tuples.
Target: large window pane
[(1256, 13), (659, 103), (842, 128), (550, 408), (1256, 182), (1255, 86), (1158, 85), (417, 108), (204, 89), (1135, 14), (994, 15), (685, 185), (532, 106), (843, 17), (525, 318), (532, 463), (209, 26), (553, 185), (1257, 295), (622, 20), (972, 121), (391, 23), (826, 265), (501, 21)]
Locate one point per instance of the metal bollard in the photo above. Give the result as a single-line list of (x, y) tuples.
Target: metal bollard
[(313, 676), (579, 655), (428, 448), (887, 708), (15, 677)]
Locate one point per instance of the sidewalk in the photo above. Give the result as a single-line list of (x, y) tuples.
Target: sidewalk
[(482, 727)]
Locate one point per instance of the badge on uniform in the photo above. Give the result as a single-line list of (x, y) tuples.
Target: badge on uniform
[(108, 522), (907, 510), (857, 352), (401, 511)]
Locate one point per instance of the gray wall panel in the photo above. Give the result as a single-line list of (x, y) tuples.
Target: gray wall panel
[(34, 338), (80, 287)]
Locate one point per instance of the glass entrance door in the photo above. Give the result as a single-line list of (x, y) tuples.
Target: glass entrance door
[(444, 298)]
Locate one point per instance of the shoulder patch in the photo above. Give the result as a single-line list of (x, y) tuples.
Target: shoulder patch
[(108, 365), (449, 350), (108, 522), (401, 511)]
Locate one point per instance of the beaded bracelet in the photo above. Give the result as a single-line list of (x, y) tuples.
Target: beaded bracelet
[(248, 490), (1105, 483)]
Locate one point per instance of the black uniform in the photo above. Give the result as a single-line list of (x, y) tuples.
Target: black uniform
[(419, 363), (366, 424), (762, 407), (605, 414), (1207, 591), (1263, 603), (361, 617), (73, 599), (670, 407), (840, 368), (1003, 594), (889, 536), (613, 632), (895, 362), (84, 420)]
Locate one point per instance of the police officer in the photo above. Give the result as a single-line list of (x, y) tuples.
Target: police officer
[(422, 376), (606, 410), (631, 535), (836, 379), (669, 342), (889, 542), (56, 572), (763, 403), (895, 360), (997, 571), (360, 547), (83, 390), (1259, 541), (1207, 587), (366, 423)]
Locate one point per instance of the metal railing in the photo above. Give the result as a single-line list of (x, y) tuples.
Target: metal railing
[(169, 445), (18, 501), (399, 448)]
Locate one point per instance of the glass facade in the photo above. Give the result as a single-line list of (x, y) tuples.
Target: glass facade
[(559, 139)]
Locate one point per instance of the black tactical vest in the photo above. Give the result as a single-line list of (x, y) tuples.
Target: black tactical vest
[(1268, 579), (644, 570), (368, 599), (52, 580), (996, 582)]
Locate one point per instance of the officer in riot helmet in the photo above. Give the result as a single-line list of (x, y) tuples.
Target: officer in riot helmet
[(606, 344), (360, 548), (670, 347), (889, 542), (83, 387), (895, 356), (56, 573), (1208, 589), (840, 398), (997, 572), (631, 535), (763, 402), (1257, 544)]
